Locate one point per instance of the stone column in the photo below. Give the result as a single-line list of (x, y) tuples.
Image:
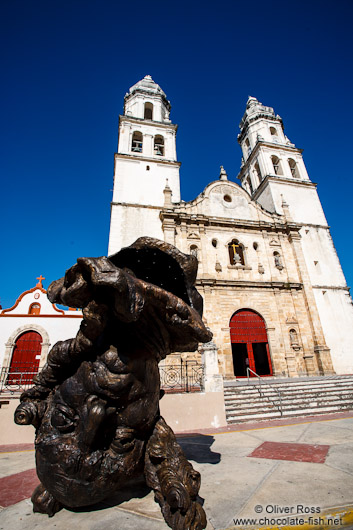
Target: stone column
[(213, 380), (147, 144)]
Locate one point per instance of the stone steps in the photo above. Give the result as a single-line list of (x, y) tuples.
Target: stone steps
[(292, 382), (275, 414), (291, 405), (300, 397), (307, 394), (273, 388), (298, 382), (289, 400)]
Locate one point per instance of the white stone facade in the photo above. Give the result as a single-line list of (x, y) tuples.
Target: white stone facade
[(289, 272)]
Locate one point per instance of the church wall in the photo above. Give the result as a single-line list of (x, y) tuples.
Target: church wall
[(138, 185), (266, 200), (321, 258), (261, 259), (282, 311), (336, 314), (303, 201), (130, 222), (331, 294)]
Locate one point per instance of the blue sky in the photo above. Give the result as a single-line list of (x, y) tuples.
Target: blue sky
[(67, 65)]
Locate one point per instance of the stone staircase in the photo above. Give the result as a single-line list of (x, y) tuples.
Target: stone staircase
[(302, 396)]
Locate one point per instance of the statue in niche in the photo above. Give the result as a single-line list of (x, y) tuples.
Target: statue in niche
[(278, 261), (293, 337), (95, 404)]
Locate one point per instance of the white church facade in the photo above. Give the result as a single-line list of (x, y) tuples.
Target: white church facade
[(275, 296)]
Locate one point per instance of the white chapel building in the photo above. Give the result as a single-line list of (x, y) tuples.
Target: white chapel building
[(28, 330)]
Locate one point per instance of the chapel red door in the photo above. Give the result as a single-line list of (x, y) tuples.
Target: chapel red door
[(25, 358), (249, 344)]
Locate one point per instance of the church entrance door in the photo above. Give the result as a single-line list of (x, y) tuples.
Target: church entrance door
[(25, 358), (249, 344)]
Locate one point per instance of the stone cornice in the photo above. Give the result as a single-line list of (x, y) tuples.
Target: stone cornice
[(312, 225), (138, 158), (246, 121), (200, 219), (333, 287), (136, 205), (151, 93), (140, 121), (241, 284)]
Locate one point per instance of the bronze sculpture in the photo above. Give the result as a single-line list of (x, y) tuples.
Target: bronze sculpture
[(95, 404)]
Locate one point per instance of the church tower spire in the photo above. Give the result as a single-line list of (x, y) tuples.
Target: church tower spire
[(145, 160)]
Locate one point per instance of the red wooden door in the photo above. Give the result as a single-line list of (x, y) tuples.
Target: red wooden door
[(248, 328), (25, 358)]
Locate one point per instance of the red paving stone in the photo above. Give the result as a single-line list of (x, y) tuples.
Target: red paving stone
[(15, 448), (292, 451), (18, 487)]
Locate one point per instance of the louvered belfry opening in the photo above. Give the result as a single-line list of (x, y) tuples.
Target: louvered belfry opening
[(249, 344)]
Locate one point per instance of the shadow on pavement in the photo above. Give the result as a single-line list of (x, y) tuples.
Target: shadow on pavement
[(135, 490), (197, 447)]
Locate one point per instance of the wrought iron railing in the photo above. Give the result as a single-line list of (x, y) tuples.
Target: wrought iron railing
[(14, 381), (186, 376), (263, 394)]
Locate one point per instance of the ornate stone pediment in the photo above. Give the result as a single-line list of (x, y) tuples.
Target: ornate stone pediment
[(275, 242), (193, 235)]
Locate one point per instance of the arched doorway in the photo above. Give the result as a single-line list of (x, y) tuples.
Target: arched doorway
[(25, 358), (249, 343)]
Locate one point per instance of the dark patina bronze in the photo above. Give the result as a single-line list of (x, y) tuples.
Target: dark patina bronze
[(95, 404)]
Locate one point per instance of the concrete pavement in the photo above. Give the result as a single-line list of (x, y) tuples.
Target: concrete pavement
[(279, 472)]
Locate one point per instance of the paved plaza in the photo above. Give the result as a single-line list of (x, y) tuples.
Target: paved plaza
[(296, 472)]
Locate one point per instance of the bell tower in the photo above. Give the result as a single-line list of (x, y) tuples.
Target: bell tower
[(274, 174), (273, 168), (145, 162)]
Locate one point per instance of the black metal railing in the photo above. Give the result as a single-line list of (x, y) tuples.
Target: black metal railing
[(16, 380), (262, 394), (186, 376)]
